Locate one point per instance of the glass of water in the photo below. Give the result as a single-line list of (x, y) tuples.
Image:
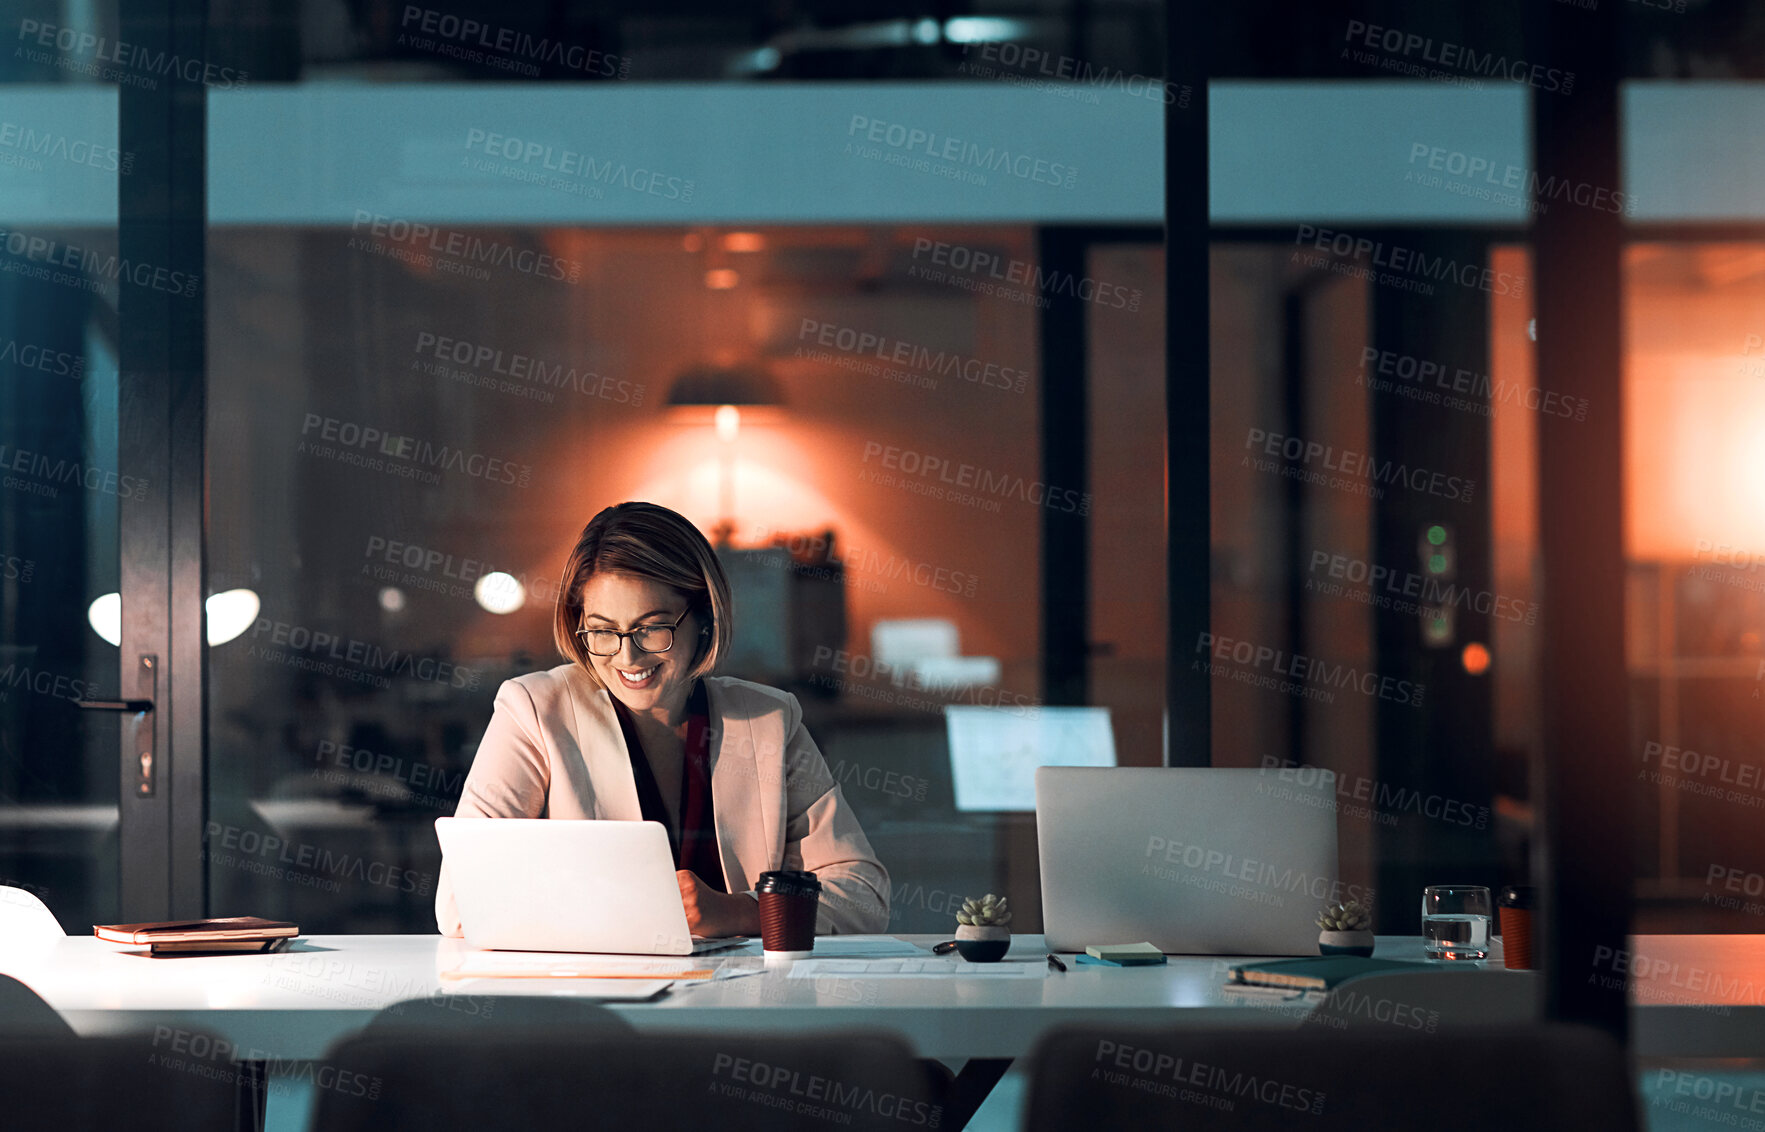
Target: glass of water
[(1455, 921)]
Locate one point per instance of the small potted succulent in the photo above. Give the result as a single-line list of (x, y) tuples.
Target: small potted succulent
[(983, 929), (1346, 929)]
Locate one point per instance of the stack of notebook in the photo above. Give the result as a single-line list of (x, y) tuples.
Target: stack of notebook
[(203, 937)]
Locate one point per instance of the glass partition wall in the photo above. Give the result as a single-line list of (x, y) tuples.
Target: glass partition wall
[(467, 304), (402, 459), (452, 312), (444, 333), (1693, 381)]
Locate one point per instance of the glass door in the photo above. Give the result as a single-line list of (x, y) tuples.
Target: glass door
[(102, 595), (61, 490)]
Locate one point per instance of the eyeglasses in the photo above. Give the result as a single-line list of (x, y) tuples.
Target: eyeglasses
[(647, 638)]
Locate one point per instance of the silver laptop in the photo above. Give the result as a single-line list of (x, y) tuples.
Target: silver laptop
[(1196, 861), (534, 884)]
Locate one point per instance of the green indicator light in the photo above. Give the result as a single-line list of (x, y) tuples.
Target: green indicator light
[(1436, 535), (1437, 563)]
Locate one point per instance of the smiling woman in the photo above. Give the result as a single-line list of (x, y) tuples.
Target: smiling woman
[(634, 728)]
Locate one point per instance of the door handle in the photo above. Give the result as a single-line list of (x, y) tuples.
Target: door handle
[(147, 689)]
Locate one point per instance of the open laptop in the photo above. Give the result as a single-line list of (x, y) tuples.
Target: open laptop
[(534, 884), (1196, 861)]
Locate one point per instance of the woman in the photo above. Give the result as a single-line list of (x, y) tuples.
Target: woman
[(633, 728)]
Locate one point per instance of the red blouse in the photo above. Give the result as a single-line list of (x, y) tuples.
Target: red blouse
[(695, 842)]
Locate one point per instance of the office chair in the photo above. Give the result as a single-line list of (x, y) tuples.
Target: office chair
[(142, 1084), (27, 929), (25, 920), (24, 1014), (473, 1013), (502, 1077), (1428, 1000), (1511, 1078)]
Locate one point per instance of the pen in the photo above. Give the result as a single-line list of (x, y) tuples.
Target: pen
[(1054, 962)]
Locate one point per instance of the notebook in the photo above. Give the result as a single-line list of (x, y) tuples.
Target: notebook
[(243, 929), (1317, 973), (1125, 954)]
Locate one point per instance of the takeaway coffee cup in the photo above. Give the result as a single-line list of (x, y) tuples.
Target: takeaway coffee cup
[(788, 901), (1516, 903)]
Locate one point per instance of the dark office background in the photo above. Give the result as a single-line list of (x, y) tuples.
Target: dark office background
[(300, 334)]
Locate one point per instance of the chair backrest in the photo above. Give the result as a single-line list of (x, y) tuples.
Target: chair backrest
[(175, 1079), (472, 1013), (553, 1077), (24, 919), (24, 1014), (1545, 1076), (1426, 1000)]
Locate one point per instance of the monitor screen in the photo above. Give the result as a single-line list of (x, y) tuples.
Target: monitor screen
[(994, 752)]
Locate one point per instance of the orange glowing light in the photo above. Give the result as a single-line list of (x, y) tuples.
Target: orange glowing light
[(728, 421), (1475, 658), (721, 278), (744, 242)]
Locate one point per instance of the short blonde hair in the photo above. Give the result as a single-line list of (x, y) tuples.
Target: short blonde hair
[(646, 541)]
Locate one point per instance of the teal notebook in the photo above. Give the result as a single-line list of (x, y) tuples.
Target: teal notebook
[(1318, 973)]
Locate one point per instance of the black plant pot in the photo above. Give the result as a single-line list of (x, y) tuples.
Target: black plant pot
[(989, 945)]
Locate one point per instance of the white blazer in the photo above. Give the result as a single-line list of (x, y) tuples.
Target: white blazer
[(554, 749)]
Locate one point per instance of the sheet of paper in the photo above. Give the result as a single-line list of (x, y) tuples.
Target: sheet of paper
[(740, 966), (605, 990), (565, 965), (936, 968), (861, 947)]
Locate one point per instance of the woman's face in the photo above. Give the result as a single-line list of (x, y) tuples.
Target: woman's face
[(642, 680)]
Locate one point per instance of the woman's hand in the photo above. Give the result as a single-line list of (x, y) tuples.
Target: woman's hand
[(713, 913)]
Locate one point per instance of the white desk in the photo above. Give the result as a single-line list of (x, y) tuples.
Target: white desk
[(289, 1007), (293, 1005), (1706, 997)]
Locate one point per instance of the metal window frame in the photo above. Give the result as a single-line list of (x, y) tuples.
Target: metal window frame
[(1188, 361), (1586, 856), (1065, 414), (1577, 264), (161, 218)]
